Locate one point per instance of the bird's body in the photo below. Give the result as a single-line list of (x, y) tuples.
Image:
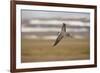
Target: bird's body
[(62, 34)]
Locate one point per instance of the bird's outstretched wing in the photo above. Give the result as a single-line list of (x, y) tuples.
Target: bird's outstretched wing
[(60, 36), (63, 28)]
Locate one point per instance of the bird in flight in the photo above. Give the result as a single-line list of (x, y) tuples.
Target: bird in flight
[(62, 34)]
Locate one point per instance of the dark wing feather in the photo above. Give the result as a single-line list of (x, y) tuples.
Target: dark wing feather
[(60, 36), (64, 27)]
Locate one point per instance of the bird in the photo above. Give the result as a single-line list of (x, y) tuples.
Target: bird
[(62, 34)]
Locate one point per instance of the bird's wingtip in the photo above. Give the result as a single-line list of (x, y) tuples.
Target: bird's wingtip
[(63, 23)]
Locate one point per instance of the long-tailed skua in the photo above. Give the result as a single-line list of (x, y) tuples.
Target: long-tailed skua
[(62, 34)]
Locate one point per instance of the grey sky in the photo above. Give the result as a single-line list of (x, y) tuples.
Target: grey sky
[(33, 14)]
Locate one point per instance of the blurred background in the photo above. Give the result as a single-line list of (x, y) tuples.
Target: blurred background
[(39, 30), (46, 24)]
